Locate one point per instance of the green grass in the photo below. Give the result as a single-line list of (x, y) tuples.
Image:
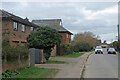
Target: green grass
[(34, 72), (54, 62), (74, 55)]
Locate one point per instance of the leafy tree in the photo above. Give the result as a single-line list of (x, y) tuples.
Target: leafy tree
[(87, 37), (44, 38), (116, 45), (81, 46)]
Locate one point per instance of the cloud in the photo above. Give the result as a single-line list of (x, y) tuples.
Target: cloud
[(111, 10), (99, 18)]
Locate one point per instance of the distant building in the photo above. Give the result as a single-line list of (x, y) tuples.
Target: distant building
[(15, 28)]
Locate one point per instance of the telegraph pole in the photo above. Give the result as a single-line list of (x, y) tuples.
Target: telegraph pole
[(119, 25), (118, 33)]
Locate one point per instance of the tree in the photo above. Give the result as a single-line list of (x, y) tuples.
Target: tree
[(105, 42), (81, 46), (116, 45), (87, 37), (44, 38)]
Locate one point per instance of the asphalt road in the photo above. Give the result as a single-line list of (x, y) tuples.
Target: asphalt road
[(102, 66)]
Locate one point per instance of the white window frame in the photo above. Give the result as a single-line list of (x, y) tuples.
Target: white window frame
[(31, 28), (67, 35), (23, 28), (60, 23), (15, 26)]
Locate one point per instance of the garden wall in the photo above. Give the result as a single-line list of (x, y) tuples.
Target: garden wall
[(14, 57), (15, 63)]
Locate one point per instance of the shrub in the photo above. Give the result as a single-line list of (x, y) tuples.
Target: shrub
[(81, 46), (116, 45), (67, 48), (47, 52), (13, 52), (44, 38)]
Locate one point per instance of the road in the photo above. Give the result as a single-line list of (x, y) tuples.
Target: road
[(102, 66)]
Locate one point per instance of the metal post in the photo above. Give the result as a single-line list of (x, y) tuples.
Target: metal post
[(118, 33)]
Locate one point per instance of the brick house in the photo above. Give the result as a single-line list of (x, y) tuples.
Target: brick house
[(55, 24), (15, 28)]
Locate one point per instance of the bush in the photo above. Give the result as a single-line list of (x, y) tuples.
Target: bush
[(47, 52), (44, 38), (13, 52), (67, 48), (116, 45), (81, 46)]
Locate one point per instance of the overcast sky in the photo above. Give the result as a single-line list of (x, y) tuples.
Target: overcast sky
[(101, 18)]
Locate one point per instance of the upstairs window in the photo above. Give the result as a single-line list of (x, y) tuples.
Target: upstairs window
[(67, 35), (15, 26), (60, 23), (31, 28), (23, 28)]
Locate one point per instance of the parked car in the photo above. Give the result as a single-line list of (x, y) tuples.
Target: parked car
[(111, 51), (98, 50)]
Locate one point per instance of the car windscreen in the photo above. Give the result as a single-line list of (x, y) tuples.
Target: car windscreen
[(111, 49), (98, 47)]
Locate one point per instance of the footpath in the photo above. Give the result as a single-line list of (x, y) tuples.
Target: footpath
[(73, 69)]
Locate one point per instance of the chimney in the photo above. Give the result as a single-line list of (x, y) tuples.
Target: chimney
[(26, 19)]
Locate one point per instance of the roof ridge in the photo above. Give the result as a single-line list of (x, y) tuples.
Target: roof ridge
[(17, 18), (47, 20), (11, 14)]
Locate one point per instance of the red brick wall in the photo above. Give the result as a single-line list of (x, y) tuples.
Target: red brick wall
[(66, 37), (15, 37)]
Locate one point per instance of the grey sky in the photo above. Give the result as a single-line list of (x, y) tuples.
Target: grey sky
[(101, 18)]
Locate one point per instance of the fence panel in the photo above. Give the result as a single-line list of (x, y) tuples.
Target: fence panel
[(38, 57), (32, 56), (35, 56)]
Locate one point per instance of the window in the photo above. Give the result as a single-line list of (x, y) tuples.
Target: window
[(15, 26), (67, 35), (15, 42), (31, 28), (23, 28), (60, 23)]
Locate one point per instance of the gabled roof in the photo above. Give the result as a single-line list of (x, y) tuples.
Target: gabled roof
[(7, 15), (53, 23)]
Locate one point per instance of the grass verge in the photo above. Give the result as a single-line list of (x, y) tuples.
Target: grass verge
[(74, 55), (54, 62), (34, 72)]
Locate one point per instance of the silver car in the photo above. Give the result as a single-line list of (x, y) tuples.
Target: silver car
[(111, 51), (98, 50)]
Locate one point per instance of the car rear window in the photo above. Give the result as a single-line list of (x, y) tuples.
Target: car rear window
[(98, 47)]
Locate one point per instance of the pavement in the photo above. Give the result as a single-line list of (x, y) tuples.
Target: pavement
[(73, 69), (56, 66), (102, 66)]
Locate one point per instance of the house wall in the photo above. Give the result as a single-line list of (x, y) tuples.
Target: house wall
[(15, 37), (66, 38), (19, 37)]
